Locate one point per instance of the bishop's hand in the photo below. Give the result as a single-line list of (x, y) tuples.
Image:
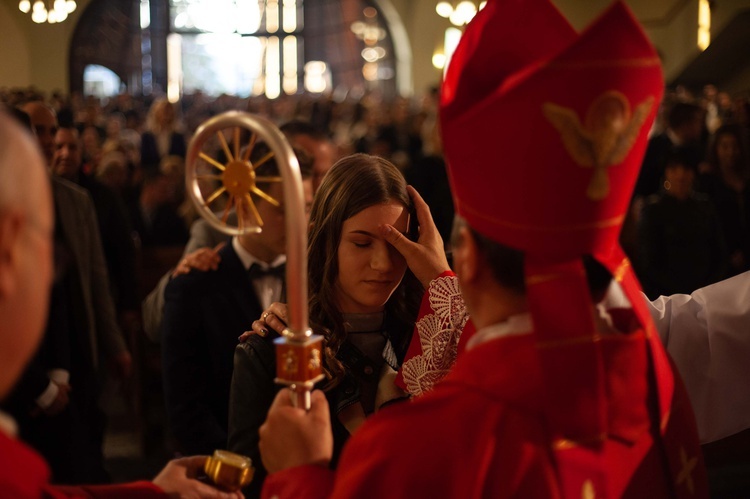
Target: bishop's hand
[(292, 437)]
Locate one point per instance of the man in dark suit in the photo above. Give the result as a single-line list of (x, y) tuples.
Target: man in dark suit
[(205, 312), (114, 228), (56, 402)]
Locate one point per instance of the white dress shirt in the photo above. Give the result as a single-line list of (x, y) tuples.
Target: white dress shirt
[(268, 288)]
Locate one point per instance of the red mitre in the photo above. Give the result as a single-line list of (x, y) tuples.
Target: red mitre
[(544, 131)]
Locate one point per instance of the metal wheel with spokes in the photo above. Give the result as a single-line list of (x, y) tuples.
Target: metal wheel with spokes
[(222, 188)]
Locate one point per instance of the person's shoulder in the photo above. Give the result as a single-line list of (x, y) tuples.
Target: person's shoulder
[(258, 348), (68, 188), (72, 198), (192, 279), (197, 279), (256, 355), (203, 234), (192, 285), (95, 187)]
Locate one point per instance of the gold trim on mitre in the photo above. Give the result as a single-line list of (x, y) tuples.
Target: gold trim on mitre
[(604, 139), (686, 471), (600, 224), (621, 269), (637, 62), (587, 490), (561, 444)]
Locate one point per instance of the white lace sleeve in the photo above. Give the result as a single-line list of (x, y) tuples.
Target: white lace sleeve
[(439, 327)]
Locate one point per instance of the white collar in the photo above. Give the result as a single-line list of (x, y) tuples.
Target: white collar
[(513, 326), (522, 323), (248, 259)]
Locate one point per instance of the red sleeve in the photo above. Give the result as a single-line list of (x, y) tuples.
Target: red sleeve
[(441, 322), (141, 490), (310, 481)]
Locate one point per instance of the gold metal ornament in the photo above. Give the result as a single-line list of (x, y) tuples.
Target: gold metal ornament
[(686, 472), (226, 186), (234, 183), (605, 138), (229, 471)]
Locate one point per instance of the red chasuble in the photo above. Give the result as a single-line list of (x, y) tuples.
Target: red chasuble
[(25, 475)]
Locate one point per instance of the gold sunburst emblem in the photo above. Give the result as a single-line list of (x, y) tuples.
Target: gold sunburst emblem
[(238, 180), (604, 139)]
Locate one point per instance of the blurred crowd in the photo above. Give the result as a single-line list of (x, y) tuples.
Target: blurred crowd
[(689, 223), (690, 218), (137, 145), (688, 227)]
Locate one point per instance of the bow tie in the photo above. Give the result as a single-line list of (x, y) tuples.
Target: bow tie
[(256, 271)]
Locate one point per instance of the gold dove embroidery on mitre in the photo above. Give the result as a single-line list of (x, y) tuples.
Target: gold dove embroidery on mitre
[(604, 139)]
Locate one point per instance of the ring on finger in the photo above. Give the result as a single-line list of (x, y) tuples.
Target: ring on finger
[(265, 315)]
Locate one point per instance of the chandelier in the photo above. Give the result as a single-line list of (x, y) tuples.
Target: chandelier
[(461, 13), (49, 11)]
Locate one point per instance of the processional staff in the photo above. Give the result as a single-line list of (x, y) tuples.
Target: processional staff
[(222, 186)]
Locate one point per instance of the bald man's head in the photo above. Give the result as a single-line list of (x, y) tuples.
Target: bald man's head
[(26, 223), (44, 122)]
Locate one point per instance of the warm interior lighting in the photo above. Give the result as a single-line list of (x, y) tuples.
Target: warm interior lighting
[(290, 16), (459, 14), (289, 83), (50, 11), (444, 9), (704, 24), (272, 16), (273, 68), (316, 76), (174, 67), (438, 60)]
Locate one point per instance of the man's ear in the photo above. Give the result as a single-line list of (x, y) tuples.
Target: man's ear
[(466, 256), (10, 230)]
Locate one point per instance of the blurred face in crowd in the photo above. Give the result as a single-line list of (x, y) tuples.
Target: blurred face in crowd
[(323, 153), (727, 151), (271, 241), (694, 128), (369, 268), (164, 114), (67, 158), (679, 180), (45, 127)]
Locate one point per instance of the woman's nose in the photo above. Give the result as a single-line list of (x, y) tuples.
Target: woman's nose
[(381, 257)]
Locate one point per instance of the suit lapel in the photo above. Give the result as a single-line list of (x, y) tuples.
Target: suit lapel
[(67, 216)]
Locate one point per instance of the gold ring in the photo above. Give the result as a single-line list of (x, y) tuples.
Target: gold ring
[(265, 315)]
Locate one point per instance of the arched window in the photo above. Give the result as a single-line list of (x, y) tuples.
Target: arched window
[(240, 47), (100, 81)]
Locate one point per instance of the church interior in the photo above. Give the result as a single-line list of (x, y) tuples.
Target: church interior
[(366, 74)]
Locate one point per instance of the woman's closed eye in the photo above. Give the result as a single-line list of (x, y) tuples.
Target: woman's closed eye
[(362, 244)]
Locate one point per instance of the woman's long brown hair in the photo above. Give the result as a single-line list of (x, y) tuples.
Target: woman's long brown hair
[(352, 185)]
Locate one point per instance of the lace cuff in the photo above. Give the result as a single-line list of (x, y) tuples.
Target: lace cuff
[(433, 349)]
